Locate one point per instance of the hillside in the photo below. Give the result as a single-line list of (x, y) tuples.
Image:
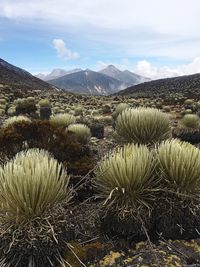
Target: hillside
[(18, 78), (89, 82), (187, 85)]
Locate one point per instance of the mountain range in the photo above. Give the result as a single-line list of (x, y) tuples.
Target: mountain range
[(19, 78), (126, 76), (104, 82), (99, 83), (55, 73), (88, 82)]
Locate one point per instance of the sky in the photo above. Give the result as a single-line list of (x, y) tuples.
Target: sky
[(154, 38)]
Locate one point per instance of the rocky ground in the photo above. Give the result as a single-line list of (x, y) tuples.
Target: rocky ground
[(179, 253)]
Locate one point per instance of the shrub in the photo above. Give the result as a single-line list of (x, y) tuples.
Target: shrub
[(125, 182), (31, 99), (176, 213), (78, 111), (33, 233), (25, 105), (126, 175), (81, 131), (44, 103), (107, 119), (3, 101), (119, 109), (2, 111), (186, 111), (158, 105), (143, 126), (98, 119), (45, 109), (41, 134), (66, 110), (191, 135), (15, 119), (106, 109), (180, 166), (166, 108), (62, 120), (95, 113), (11, 111), (71, 112), (30, 183), (189, 102), (191, 121), (197, 104), (2, 106)]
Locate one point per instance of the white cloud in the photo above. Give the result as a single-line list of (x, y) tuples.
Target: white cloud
[(147, 69), (141, 28), (63, 51), (164, 16)]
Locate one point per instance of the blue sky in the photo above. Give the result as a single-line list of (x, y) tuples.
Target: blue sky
[(154, 38)]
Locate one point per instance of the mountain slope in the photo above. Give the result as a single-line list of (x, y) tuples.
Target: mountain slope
[(55, 73), (20, 79), (125, 76), (89, 82), (188, 85)]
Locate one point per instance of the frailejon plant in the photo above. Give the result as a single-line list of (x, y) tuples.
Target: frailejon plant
[(176, 212), (62, 120), (78, 110), (29, 183), (25, 105), (15, 119), (186, 111), (11, 111), (126, 183), (2, 111), (32, 186), (120, 107), (3, 101), (191, 121), (143, 126), (45, 109), (188, 129), (81, 131), (44, 103), (180, 166), (188, 102)]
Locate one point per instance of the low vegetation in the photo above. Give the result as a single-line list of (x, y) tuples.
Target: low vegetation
[(142, 126), (32, 185), (126, 183), (81, 131), (75, 169), (180, 166)]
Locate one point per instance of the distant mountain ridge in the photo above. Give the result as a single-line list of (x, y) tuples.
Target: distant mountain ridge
[(88, 82), (55, 73), (19, 78), (125, 76), (189, 85), (98, 83), (104, 82)]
